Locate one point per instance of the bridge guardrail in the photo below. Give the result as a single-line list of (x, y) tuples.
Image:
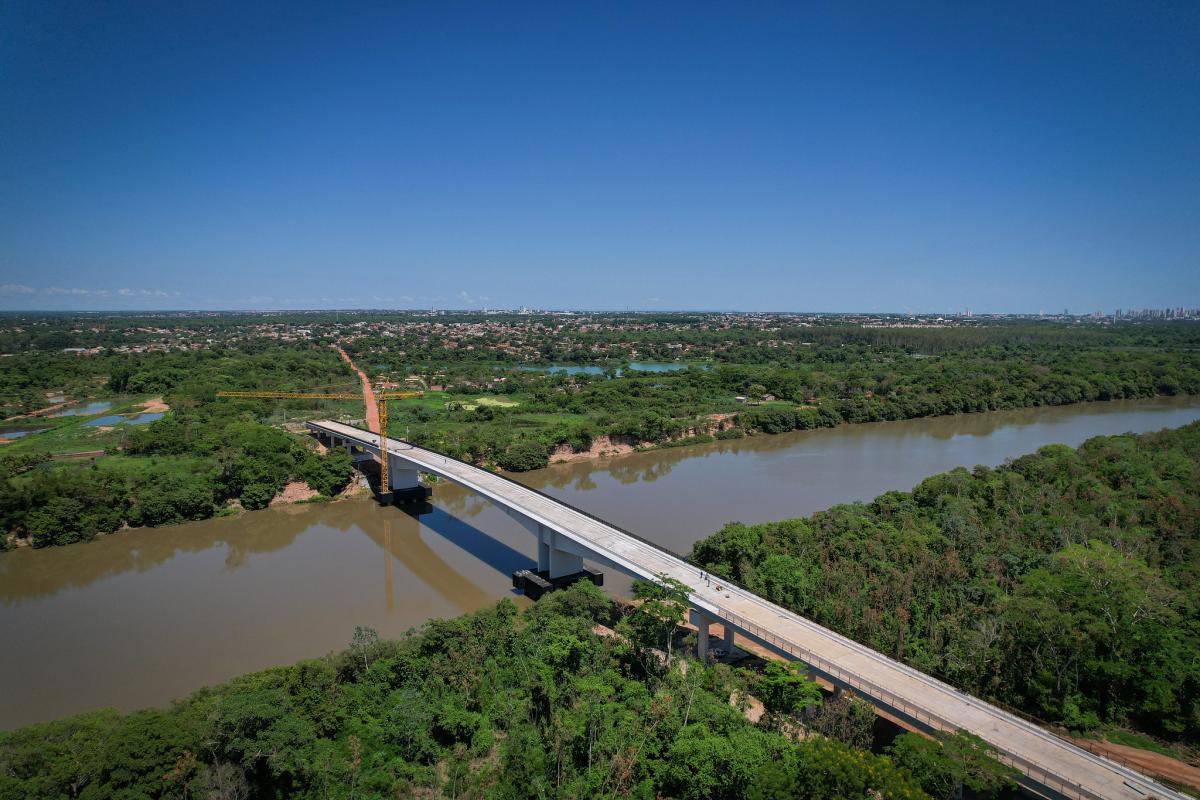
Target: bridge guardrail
[(1025, 766), (551, 497), (1085, 744)]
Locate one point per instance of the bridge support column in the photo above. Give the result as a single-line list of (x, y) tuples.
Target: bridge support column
[(401, 474), (727, 641), (702, 622), (405, 483), (552, 558)]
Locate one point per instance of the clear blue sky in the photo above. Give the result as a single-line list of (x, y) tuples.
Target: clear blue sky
[(840, 156)]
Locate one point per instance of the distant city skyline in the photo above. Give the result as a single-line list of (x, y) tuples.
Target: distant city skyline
[(1127, 313), (1006, 159)]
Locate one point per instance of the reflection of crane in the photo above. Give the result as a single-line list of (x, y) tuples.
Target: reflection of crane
[(380, 403)]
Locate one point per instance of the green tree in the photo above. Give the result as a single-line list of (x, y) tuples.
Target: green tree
[(58, 522), (257, 495), (947, 764), (785, 688), (823, 769), (661, 607), (523, 456)]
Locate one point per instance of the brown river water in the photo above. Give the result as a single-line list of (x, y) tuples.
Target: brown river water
[(145, 616)]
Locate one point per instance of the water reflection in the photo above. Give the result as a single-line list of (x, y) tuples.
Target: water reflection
[(149, 615), (30, 574), (152, 614), (85, 410), (491, 551), (399, 538)]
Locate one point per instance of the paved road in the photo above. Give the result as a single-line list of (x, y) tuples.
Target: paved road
[(1050, 761)]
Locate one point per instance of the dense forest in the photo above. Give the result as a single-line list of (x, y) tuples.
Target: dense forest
[(198, 372), (498, 704), (661, 409), (1064, 583)]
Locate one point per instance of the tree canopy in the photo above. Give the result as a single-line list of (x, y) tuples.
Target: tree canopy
[(1063, 583)]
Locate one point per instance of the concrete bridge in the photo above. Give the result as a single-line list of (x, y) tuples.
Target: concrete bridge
[(1047, 764)]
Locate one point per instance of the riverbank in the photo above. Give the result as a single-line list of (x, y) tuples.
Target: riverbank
[(289, 582), (934, 578), (712, 428), (707, 437)]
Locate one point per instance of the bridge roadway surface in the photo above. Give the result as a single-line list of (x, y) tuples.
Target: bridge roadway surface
[(1047, 761)]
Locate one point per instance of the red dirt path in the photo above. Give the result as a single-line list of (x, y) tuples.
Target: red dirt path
[(372, 410), (1147, 761)]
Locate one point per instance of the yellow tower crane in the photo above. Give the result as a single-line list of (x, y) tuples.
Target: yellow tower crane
[(380, 404)]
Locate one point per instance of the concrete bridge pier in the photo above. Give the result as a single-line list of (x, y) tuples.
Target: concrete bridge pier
[(404, 482), (702, 622), (557, 556), (552, 558), (401, 474)]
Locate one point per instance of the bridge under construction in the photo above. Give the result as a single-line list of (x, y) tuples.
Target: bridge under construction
[(1046, 764)]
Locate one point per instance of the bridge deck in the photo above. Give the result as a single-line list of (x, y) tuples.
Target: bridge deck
[(1045, 758)]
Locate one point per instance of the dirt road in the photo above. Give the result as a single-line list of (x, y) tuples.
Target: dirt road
[(372, 410), (1147, 761)]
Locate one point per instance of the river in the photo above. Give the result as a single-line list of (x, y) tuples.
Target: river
[(145, 616)]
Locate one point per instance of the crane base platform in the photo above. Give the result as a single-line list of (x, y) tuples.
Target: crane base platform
[(536, 584), (403, 497)]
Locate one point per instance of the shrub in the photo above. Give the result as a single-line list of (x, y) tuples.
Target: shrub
[(523, 456)]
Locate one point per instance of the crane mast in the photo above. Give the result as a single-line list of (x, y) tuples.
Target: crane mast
[(380, 406)]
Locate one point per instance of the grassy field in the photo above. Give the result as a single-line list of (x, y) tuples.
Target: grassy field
[(136, 468), (436, 401), (494, 402), (1131, 739)]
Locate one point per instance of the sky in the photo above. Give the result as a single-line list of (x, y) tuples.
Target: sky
[(843, 156)]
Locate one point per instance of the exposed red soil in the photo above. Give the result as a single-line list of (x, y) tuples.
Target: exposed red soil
[(154, 406), (371, 413), (602, 447), (1146, 761), (294, 492), (608, 446)]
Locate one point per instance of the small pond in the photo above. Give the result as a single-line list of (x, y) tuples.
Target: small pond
[(111, 419), (143, 418), (17, 433), (634, 366), (649, 366), (557, 370), (84, 411)]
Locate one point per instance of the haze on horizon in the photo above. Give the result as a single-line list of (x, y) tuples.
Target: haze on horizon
[(723, 156)]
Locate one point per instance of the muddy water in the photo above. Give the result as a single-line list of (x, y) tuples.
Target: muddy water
[(142, 617)]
